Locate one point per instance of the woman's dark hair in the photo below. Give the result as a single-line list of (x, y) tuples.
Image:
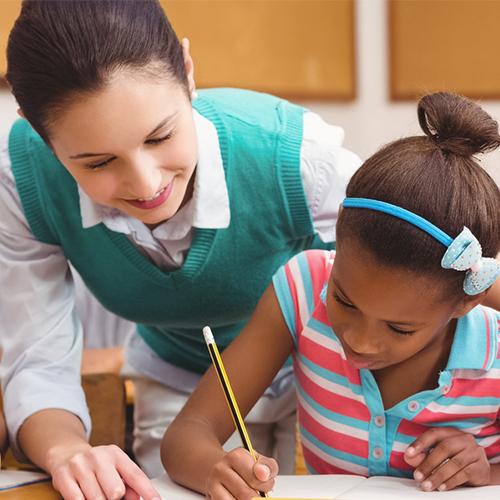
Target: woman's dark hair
[(436, 177), (62, 48)]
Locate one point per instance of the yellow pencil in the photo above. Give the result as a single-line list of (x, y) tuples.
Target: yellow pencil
[(228, 392)]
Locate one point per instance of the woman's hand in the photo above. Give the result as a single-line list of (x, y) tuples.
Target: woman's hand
[(238, 476), (445, 458), (101, 472)]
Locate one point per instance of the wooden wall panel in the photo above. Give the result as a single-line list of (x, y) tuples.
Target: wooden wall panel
[(444, 45), (9, 10), (294, 48)]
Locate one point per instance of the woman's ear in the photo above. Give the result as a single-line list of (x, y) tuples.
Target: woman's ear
[(468, 303), (188, 63), (20, 113)]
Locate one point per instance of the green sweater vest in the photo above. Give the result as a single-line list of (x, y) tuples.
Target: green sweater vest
[(226, 270)]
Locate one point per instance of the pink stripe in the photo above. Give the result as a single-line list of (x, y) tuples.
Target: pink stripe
[(397, 461), (328, 359), (293, 293), (488, 341), (430, 417), (479, 388), (320, 466), (411, 429), (333, 402), (333, 439), (493, 450), (489, 430)]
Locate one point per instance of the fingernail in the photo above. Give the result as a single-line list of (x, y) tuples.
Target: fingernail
[(267, 471), (442, 487), (426, 485), (410, 450), (418, 475)]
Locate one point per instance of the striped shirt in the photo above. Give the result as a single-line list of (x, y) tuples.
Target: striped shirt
[(343, 424)]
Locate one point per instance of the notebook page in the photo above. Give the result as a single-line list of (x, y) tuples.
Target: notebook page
[(321, 487), (13, 478), (393, 488)]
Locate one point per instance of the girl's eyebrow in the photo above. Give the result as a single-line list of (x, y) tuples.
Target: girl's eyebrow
[(158, 127), (390, 321)]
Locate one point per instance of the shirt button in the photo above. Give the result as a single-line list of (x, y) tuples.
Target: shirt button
[(413, 405), (377, 452), (379, 420), (445, 389)]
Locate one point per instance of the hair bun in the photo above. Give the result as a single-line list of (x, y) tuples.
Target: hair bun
[(457, 125)]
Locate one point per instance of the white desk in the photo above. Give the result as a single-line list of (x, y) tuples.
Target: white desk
[(327, 487)]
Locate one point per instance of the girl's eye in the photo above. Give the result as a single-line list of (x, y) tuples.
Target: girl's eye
[(342, 302), (401, 332), (95, 166), (159, 139)]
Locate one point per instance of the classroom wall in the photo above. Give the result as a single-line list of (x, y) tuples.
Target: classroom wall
[(371, 119)]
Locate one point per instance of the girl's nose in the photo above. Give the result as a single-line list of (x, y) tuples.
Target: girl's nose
[(361, 342)]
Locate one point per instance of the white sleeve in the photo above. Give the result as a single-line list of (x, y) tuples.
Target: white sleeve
[(326, 168), (40, 333)]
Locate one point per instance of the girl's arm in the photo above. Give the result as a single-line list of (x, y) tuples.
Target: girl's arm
[(192, 446)]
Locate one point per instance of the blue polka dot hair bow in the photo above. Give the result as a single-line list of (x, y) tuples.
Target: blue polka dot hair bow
[(463, 253)]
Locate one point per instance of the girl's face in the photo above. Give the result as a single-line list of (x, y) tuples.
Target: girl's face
[(131, 146), (385, 316)]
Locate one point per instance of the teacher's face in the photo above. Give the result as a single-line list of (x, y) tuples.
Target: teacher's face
[(131, 145)]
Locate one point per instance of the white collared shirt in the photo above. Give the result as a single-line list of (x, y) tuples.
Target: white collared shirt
[(40, 331)]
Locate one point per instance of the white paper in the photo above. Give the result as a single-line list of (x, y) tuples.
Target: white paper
[(342, 487), (382, 488), (13, 478)]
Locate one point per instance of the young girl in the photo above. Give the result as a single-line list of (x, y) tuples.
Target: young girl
[(392, 358), (175, 210)]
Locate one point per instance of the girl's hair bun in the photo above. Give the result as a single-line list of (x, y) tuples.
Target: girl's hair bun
[(457, 125)]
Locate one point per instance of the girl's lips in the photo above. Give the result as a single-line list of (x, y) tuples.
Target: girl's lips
[(155, 202)]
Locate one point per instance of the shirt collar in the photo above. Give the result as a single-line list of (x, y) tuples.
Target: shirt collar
[(210, 203), (475, 343)]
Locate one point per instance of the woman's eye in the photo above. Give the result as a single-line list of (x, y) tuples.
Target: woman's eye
[(342, 302), (95, 166), (401, 332), (159, 139)]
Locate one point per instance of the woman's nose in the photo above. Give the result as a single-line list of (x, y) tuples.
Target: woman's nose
[(143, 177)]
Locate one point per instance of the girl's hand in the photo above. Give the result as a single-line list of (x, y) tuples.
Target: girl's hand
[(102, 472), (237, 476), (445, 458)]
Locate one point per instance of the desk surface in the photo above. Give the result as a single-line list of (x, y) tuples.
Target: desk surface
[(39, 491)]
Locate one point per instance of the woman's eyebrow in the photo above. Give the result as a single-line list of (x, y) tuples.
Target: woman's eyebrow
[(158, 127)]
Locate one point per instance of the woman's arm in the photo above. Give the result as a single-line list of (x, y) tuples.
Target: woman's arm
[(41, 337), (192, 445)]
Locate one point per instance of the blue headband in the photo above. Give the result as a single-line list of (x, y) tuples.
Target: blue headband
[(463, 253)]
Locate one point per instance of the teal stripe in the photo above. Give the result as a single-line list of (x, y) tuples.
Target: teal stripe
[(285, 301), (305, 273), (322, 328), (328, 414), (391, 471), (469, 401), (348, 457), (330, 376)]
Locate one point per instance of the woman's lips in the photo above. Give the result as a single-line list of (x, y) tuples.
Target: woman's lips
[(154, 202)]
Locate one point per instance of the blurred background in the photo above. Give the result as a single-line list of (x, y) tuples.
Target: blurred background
[(360, 64)]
